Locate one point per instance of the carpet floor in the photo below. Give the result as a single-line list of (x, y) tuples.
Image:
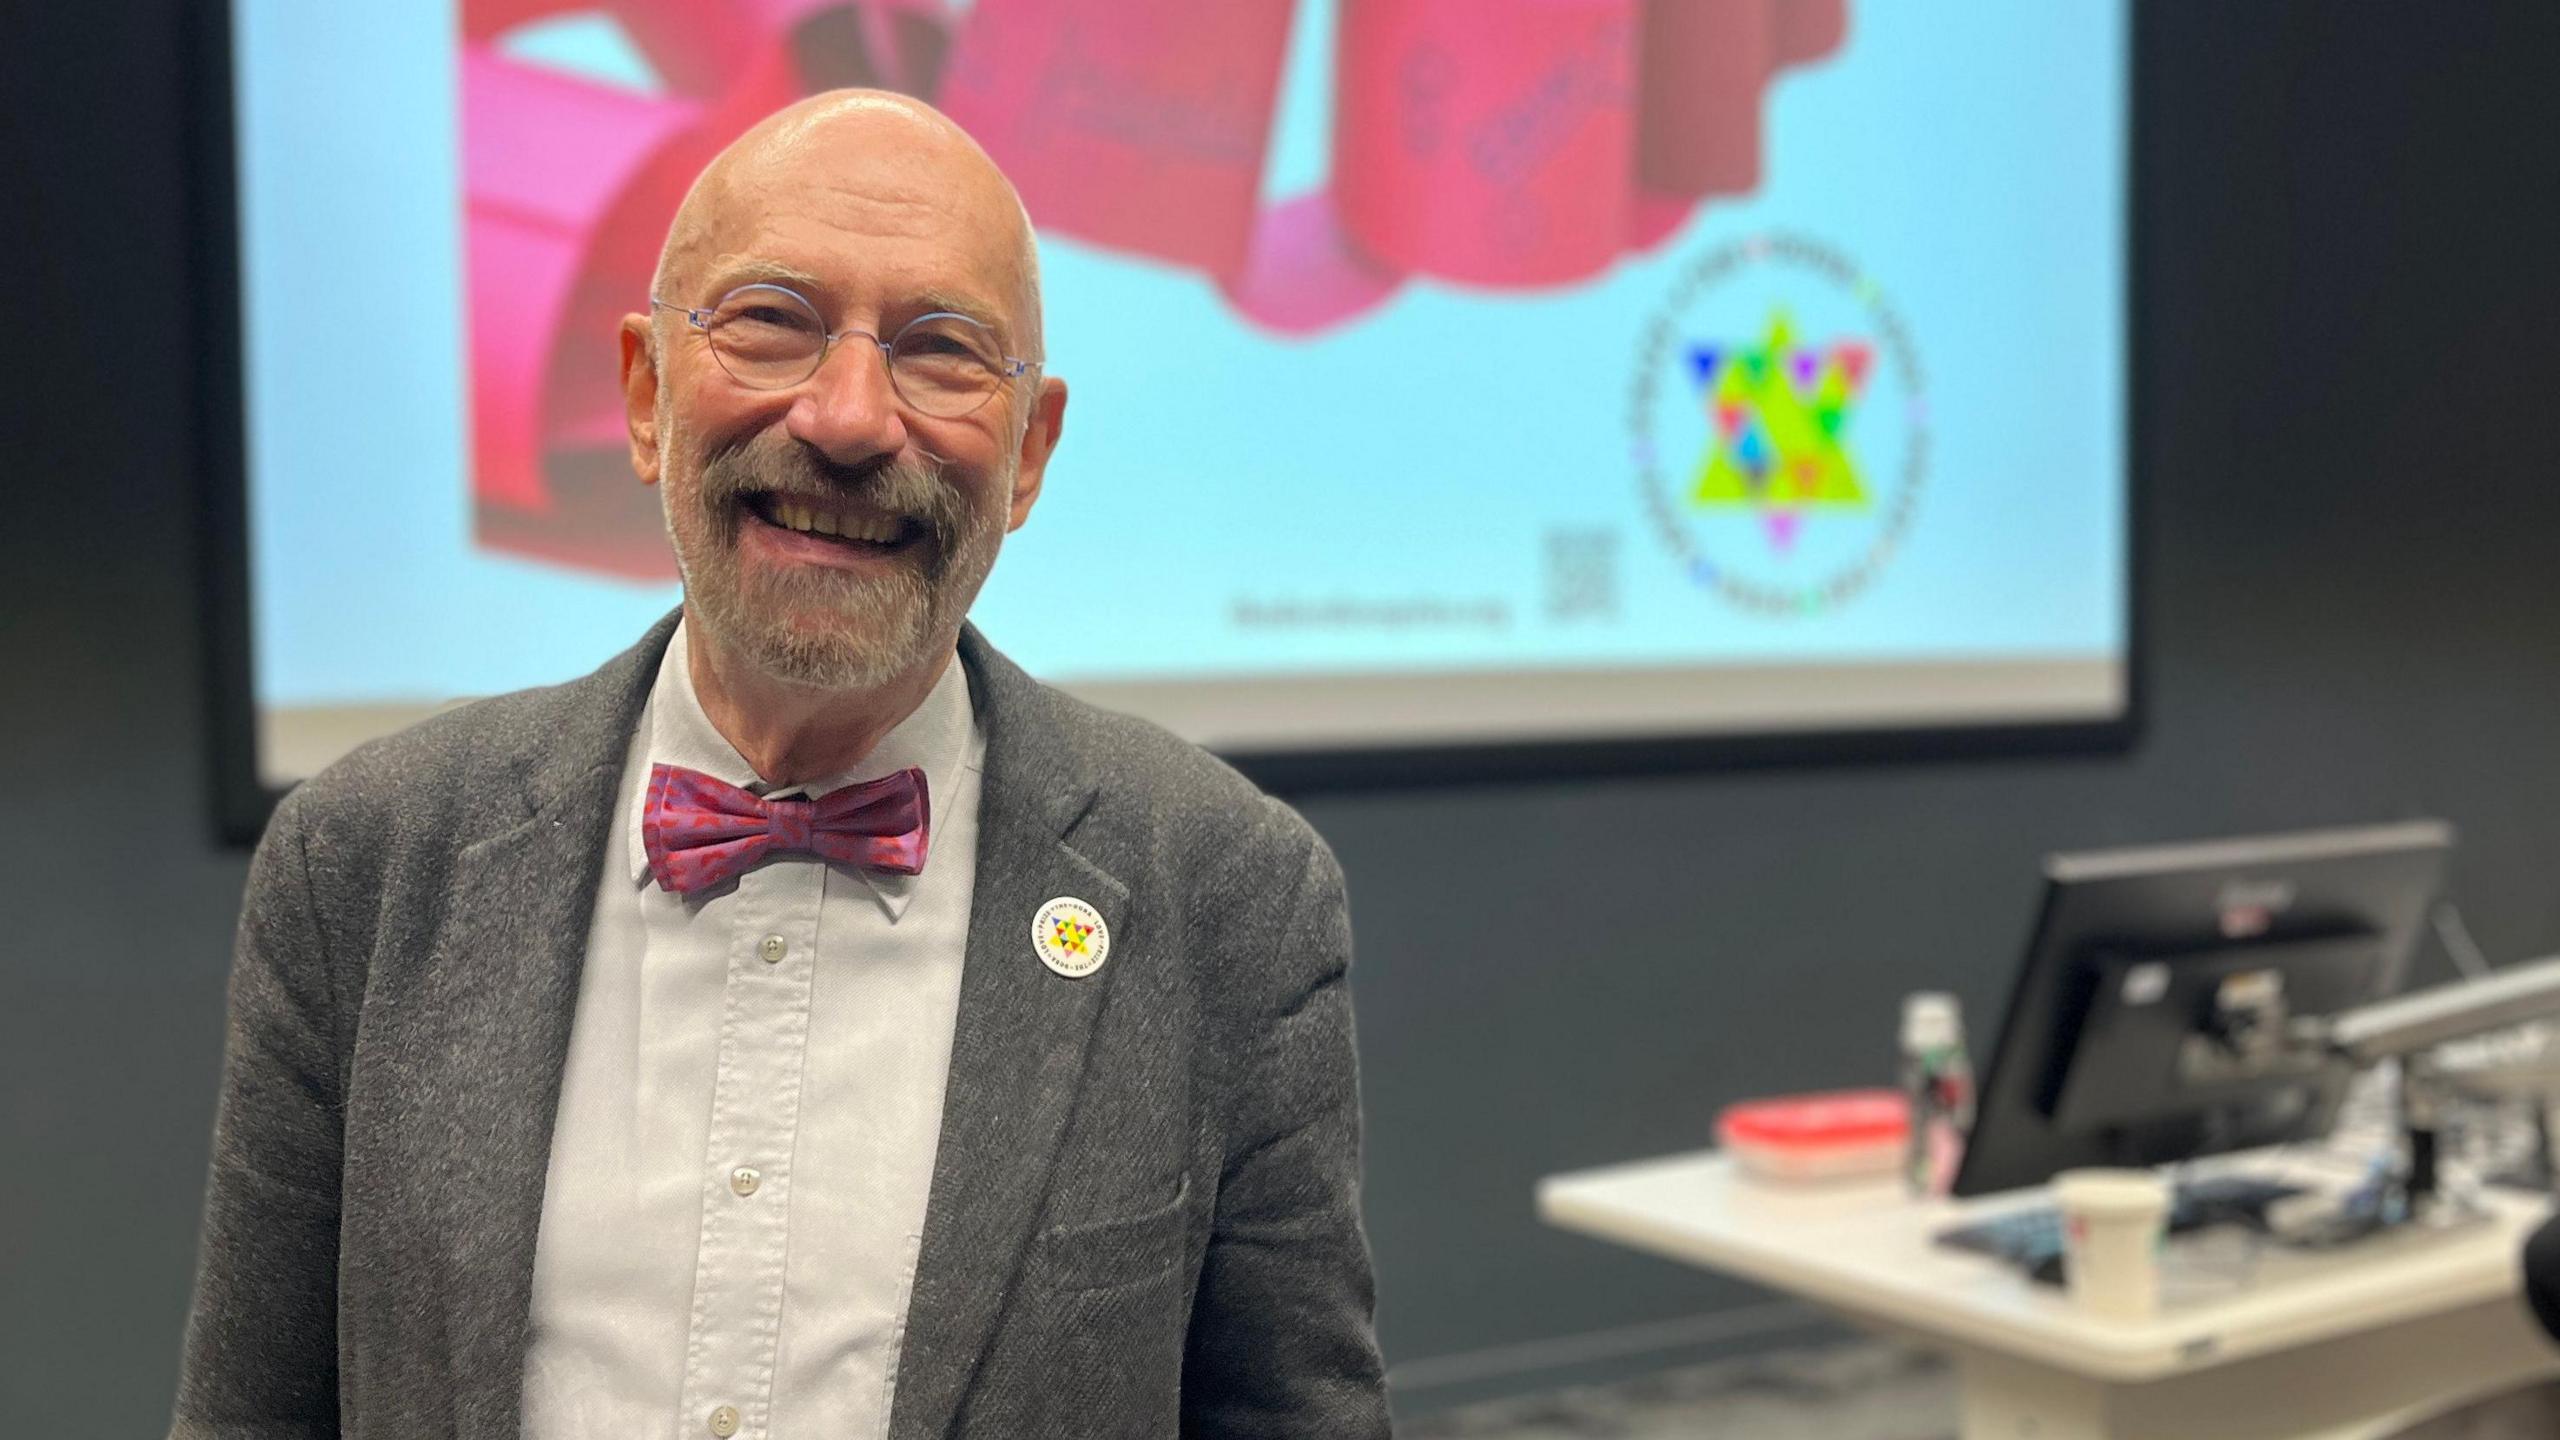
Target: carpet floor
[(1863, 1391)]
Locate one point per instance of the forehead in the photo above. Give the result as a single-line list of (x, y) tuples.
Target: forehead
[(869, 226)]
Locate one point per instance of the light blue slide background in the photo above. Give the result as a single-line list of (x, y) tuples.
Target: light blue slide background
[(1970, 158)]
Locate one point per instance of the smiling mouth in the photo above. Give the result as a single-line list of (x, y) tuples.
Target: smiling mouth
[(844, 526)]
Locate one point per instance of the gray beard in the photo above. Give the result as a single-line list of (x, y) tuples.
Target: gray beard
[(889, 626), (884, 626)]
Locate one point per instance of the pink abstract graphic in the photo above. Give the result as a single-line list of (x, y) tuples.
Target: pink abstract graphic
[(1508, 144)]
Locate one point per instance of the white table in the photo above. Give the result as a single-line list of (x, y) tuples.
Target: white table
[(2342, 1345)]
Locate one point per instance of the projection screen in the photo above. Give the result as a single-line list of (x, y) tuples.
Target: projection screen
[(1444, 373)]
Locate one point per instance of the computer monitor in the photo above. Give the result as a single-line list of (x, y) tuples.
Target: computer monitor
[(2146, 1022)]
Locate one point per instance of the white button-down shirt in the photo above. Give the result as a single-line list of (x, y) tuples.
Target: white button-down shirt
[(749, 1112)]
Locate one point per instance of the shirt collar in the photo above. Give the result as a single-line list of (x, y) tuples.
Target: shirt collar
[(676, 731)]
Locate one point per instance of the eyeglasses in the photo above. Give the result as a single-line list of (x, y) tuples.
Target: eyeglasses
[(770, 338)]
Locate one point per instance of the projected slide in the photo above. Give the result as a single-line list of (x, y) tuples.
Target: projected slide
[(1443, 370)]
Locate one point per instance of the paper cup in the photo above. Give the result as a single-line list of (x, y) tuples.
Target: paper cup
[(2111, 1224)]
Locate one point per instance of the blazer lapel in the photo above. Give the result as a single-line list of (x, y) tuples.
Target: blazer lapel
[(485, 1028), (1018, 1047), (505, 986)]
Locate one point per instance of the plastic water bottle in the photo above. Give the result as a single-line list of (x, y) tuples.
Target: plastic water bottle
[(1937, 1077)]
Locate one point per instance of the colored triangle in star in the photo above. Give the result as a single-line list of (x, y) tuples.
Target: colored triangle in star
[(1753, 450), (1854, 359), (1704, 362), (1781, 526)]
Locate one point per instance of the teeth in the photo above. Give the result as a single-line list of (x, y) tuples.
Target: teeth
[(811, 521)]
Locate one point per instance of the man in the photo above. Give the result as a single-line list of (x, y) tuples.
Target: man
[(2541, 1267), (807, 1024)]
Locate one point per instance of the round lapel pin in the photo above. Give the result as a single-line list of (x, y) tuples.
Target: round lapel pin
[(1070, 936)]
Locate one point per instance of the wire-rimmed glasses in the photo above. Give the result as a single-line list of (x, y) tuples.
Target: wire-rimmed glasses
[(768, 337)]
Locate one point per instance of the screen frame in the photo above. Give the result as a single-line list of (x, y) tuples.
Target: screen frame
[(242, 802)]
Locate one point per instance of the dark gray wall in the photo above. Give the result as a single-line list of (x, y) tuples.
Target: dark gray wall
[(2352, 303)]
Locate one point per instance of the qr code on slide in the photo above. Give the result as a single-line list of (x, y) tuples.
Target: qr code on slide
[(1582, 574)]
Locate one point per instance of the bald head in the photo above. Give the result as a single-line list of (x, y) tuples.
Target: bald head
[(903, 159)]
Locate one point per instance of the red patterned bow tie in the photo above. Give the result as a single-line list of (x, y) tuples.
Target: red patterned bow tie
[(701, 832)]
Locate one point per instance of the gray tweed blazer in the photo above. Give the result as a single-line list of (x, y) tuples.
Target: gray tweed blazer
[(1144, 1215)]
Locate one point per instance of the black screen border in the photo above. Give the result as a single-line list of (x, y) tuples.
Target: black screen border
[(241, 801)]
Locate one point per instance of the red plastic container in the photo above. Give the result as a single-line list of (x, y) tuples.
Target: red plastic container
[(1829, 1135)]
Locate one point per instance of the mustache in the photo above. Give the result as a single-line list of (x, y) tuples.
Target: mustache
[(893, 485)]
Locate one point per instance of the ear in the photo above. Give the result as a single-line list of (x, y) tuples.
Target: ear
[(1039, 441), (640, 396)]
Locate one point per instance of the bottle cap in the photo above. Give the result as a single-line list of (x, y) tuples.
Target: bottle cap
[(1931, 1020)]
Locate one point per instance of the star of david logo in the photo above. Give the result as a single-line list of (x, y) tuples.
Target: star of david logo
[(1070, 935), (1778, 415)]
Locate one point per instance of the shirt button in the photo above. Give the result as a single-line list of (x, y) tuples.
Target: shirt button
[(773, 949), (745, 1179), (724, 1421)]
